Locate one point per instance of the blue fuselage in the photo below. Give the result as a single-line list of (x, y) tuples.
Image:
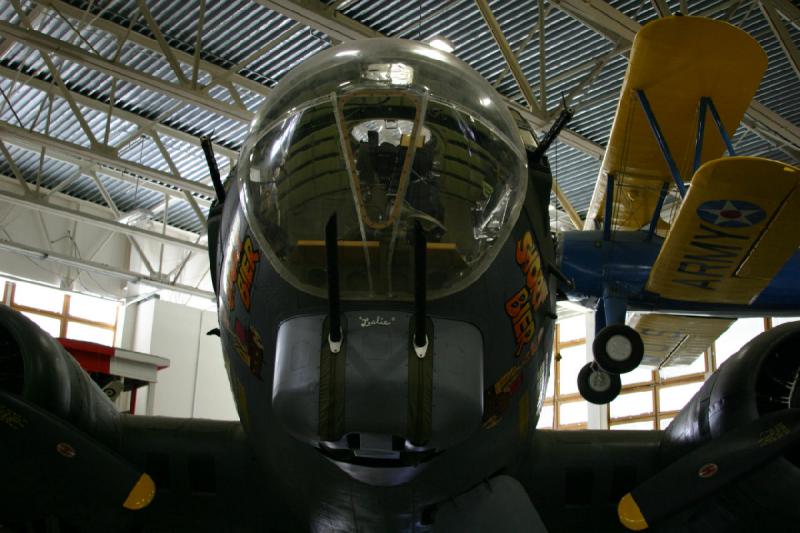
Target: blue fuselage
[(622, 266)]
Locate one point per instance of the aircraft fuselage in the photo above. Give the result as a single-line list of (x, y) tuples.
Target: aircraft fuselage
[(627, 260), (497, 334)]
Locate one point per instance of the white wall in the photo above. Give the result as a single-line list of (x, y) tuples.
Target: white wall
[(62, 236), (195, 384)]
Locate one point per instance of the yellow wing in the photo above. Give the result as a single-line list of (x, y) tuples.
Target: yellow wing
[(676, 61), (671, 340), (737, 227)]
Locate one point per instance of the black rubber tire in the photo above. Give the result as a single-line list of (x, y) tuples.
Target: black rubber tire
[(592, 394), (610, 364)]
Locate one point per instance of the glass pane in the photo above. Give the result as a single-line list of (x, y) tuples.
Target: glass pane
[(573, 413), (39, 297), (572, 328), (673, 398), (546, 417), (632, 403), (384, 161), (645, 424), (551, 381), (664, 422), (83, 332), (572, 360), (697, 367), (778, 320), (91, 308), (641, 374), (737, 336), (50, 325)]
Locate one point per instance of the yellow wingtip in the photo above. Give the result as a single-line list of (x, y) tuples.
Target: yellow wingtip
[(630, 515), (141, 494)]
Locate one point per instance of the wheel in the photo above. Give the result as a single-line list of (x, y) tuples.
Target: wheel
[(618, 348), (598, 386)]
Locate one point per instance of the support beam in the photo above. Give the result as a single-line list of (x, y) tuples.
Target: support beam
[(601, 17), (615, 25), (520, 49), (267, 47), (14, 135), (567, 205), (46, 44), (790, 9), (570, 73), (776, 24), (661, 8), (98, 221), (121, 32), (164, 48), (542, 60), (33, 17), (766, 123), (146, 124), (346, 29), (15, 169), (84, 168), (589, 78), (116, 212), (54, 72), (100, 268), (508, 55), (322, 18), (198, 44)]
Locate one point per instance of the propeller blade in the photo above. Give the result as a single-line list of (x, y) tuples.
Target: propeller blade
[(52, 460), (709, 468)]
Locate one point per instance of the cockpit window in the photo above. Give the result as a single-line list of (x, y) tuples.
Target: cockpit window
[(382, 161), (383, 134)]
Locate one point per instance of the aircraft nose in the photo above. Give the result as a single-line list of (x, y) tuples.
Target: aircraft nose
[(377, 399)]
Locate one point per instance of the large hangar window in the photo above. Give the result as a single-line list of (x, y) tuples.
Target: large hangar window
[(63, 314), (649, 399)]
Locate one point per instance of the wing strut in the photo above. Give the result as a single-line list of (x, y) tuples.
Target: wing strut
[(707, 103), (662, 142), (657, 211), (609, 207)]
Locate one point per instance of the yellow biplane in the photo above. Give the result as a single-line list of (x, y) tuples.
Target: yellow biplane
[(726, 244)]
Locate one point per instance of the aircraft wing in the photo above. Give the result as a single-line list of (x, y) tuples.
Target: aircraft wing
[(727, 462), (68, 457), (737, 227), (676, 61), (674, 339)]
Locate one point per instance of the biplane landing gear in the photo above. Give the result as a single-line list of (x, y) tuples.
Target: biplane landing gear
[(618, 348), (598, 386)]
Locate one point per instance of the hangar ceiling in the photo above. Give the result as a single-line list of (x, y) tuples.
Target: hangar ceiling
[(103, 100)]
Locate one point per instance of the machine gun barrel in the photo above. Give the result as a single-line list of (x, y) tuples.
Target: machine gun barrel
[(560, 123)]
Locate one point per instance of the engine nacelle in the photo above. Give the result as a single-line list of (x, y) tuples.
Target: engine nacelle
[(763, 377), (35, 366)]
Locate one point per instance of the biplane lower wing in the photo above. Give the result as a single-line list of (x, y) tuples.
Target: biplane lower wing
[(671, 340), (737, 227)]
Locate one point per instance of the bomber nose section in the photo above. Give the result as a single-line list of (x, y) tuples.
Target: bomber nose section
[(376, 408), (386, 135)]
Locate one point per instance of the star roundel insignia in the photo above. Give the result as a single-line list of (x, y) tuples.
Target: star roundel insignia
[(731, 213)]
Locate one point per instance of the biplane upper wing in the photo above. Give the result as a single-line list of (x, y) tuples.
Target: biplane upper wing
[(671, 340), (675, 62), (737, 227)]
